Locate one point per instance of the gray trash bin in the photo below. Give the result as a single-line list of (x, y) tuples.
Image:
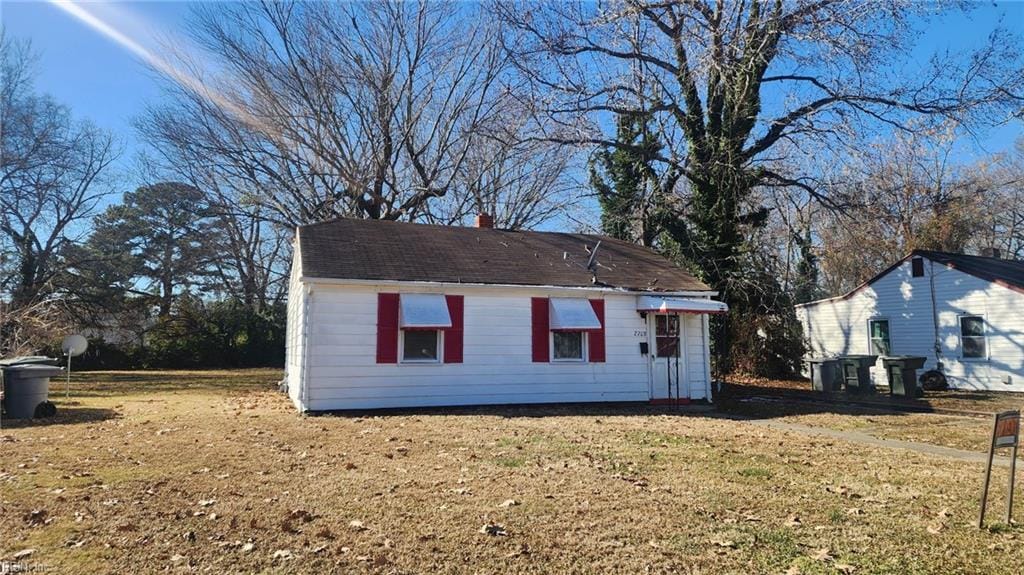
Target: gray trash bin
[(825, 374), (856, 370), (901, 371), (26, 386)]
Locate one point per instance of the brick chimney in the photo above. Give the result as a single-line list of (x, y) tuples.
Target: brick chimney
[(485, 221)]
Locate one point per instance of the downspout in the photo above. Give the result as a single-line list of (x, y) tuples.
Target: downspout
[(935, 316), (706, 352), (303, 381)]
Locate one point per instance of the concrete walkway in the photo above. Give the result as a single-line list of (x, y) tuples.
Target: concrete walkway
[(866, 439)]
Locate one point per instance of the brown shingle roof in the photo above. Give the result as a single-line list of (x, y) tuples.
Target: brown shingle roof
[(386, 250)]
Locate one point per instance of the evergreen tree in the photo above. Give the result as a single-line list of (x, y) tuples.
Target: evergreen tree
[(626, 183), (805, 287)]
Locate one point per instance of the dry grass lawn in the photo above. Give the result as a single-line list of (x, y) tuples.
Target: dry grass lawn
[(215, 472)]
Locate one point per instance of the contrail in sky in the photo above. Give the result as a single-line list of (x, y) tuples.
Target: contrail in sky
[(183, 78)]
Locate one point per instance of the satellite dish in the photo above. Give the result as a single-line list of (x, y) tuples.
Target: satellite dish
[(74, 345)]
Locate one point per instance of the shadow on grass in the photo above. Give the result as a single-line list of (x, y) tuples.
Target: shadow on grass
[(618, 409), (766, 399), (106, 384), (73, 415), (766, 407)]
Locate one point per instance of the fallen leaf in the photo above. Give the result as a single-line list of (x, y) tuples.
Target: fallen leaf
[(283, 554), (36, 517), (23, 554), (822, 554), (508, 503), (302, 515), (357, 525), (206, 502), (494, 530), (844, 568), (724, 543), (248, 547)]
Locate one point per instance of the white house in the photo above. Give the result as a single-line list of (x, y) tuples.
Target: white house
[(384, 314), (964, 313)]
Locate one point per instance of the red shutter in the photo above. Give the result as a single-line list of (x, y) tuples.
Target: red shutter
[(539, 313), (453, 335), (596, 337), (387, 328)]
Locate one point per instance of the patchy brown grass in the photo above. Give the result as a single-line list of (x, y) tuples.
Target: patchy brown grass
[(215, 472)]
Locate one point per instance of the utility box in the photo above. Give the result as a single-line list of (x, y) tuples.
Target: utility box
[(27, 389), (856, 372), (825, 374), (901, 371)]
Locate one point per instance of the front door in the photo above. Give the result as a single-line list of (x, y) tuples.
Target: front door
[(667, 366)]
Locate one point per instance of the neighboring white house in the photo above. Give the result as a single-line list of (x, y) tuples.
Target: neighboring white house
[(384, 314), (964, 313)]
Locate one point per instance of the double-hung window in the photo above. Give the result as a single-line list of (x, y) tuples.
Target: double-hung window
[(972, 337), (878, 331), (423, 317)]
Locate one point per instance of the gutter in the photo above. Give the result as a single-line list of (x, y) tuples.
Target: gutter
[(620, 291)]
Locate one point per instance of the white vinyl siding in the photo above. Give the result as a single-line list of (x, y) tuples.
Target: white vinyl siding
[(835, 327), (295, 331), (341, 370)]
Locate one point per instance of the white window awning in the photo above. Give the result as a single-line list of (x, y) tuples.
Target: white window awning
[(651, 303), (572, 314), (424, 310)]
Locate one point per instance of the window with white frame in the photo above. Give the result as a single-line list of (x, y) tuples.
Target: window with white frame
[(972, 337), (878, 331), (568, 345), (421, 345)]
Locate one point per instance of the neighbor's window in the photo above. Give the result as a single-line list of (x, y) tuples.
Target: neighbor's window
[(666, 335), (972, 336), (420, 344), (879, 331), (568, 345), (917, 267)]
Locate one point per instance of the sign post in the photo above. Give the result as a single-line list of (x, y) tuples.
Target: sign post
[(1005, 433)]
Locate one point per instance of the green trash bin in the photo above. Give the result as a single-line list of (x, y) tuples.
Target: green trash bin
[(825, 374), (856, 372), (901, 371)]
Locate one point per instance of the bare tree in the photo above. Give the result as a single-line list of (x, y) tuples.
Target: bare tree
[(732, 80), (903, 193), (729, 81), (1002, 205), (50, 170), (376, 110)]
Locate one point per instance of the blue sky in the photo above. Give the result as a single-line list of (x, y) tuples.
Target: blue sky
[(105, 83)]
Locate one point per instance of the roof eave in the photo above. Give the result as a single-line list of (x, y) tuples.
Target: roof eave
[(607, 289)]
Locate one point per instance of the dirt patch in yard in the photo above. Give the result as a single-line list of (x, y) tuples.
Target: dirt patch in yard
[(215, 472)]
